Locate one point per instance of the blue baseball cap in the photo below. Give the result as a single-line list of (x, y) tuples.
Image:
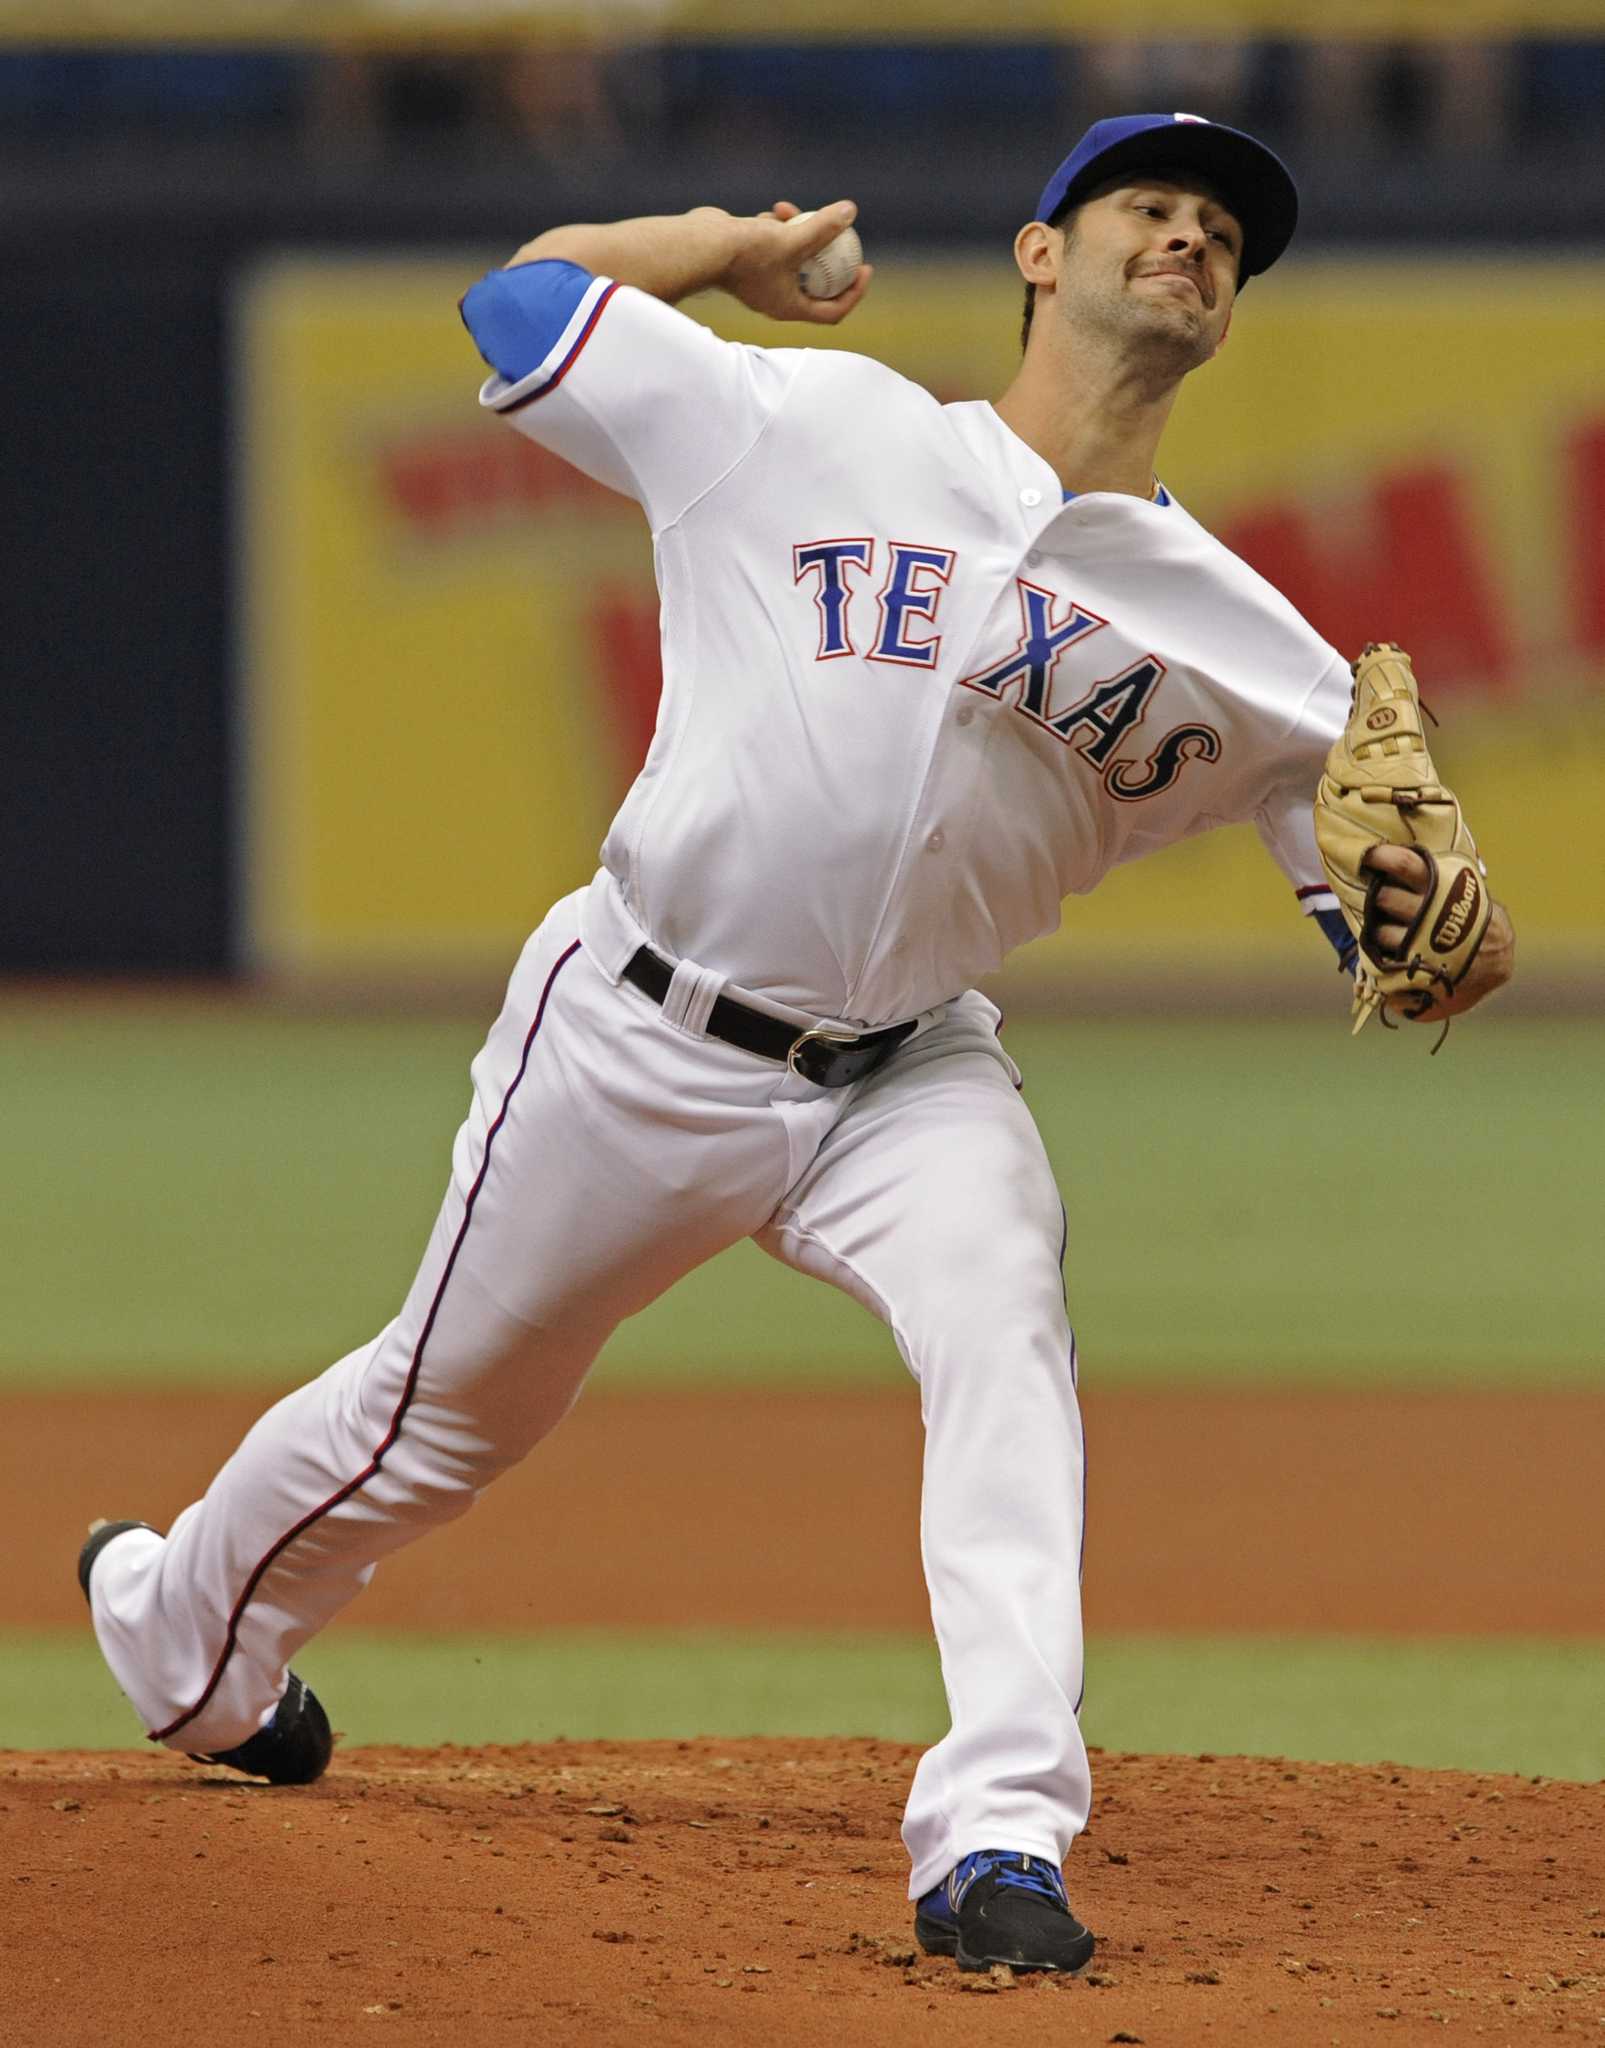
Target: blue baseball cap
[(1252, 179)]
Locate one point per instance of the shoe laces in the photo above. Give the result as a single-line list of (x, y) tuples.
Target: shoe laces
[(1018, 1871)]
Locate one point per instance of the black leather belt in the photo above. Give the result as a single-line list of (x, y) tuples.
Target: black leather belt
[(827, 1057)]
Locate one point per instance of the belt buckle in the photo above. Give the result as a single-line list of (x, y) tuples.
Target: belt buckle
[(819, 1034)]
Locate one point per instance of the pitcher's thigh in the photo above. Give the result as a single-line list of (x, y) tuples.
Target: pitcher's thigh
[(934, 1204), (603, 1157)]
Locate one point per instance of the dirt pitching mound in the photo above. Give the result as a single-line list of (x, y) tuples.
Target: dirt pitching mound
[(752, 1892)]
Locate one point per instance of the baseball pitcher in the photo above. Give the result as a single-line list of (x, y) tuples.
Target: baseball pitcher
[(927, 670)]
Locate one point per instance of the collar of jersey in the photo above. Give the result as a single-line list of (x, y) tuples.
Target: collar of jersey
[(985, 433), (1161, 495)]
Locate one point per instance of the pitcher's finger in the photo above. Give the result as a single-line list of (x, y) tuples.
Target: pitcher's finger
[(820, 229), (1398, 902), (826, 312), (1403, 863)]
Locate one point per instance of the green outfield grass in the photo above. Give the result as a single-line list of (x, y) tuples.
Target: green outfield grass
[(1530, 1707), (207, 1194)]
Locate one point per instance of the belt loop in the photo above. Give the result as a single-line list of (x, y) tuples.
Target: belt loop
[(699, 1006), (690, 997)]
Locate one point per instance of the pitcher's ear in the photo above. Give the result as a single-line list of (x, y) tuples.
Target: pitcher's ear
[(1033, 252)]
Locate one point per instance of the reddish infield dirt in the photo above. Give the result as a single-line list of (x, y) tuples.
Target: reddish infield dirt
[(751, 1892), (1375, 1513)]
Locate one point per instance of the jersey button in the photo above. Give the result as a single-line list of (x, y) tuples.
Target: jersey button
[(935, 843), (965, 714), (1030, 497)]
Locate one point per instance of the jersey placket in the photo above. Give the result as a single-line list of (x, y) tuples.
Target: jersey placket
[(954, 801)]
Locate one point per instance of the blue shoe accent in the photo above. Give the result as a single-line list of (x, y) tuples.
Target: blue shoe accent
[(1061, 1943), (938, 1911), (1031, 1874), (936, 1924), (1015, 1870)]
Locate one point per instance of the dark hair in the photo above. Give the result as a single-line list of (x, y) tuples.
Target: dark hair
[(1057, 219)]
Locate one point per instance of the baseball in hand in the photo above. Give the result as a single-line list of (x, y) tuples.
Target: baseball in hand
[(828, 273)]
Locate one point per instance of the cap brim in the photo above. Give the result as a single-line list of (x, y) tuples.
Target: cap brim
[(1254, 183)]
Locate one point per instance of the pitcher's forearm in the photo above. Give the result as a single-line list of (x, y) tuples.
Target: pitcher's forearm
[(669, 255)]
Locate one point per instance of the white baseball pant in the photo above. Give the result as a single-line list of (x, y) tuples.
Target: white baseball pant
[(608, 1150)]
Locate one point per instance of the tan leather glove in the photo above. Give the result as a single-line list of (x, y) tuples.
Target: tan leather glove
[(1380, 787)]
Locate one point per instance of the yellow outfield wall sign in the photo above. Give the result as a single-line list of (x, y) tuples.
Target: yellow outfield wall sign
[(451, 645)]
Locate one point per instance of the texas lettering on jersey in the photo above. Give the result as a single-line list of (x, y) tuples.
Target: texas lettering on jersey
[(1093, 722)]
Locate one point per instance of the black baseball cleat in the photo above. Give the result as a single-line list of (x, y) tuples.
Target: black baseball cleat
[(295, 1746), (293, 1749), (1000, 1906)]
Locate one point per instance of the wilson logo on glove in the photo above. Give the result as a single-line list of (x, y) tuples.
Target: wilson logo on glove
[(1457, 913)]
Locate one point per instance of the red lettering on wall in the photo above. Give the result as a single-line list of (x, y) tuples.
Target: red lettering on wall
[(624, 635), (1414, 572), (442, 484), (1585, 526)]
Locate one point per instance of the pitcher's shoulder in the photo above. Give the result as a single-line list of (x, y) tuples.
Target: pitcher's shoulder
[(844, 374)]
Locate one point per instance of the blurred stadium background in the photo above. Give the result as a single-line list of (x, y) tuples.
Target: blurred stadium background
[(319, 687)]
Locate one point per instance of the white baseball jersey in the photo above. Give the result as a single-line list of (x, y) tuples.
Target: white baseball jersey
[(912, 698)]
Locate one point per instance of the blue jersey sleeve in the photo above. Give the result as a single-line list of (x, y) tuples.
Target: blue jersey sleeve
[(631, 391), (517, 316)]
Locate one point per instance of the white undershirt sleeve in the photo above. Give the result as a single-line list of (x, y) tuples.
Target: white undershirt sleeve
[(1286, 818), (1286, 824)]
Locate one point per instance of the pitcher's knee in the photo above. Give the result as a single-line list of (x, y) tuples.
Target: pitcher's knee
[(431, 1473), (1010, 1337)]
